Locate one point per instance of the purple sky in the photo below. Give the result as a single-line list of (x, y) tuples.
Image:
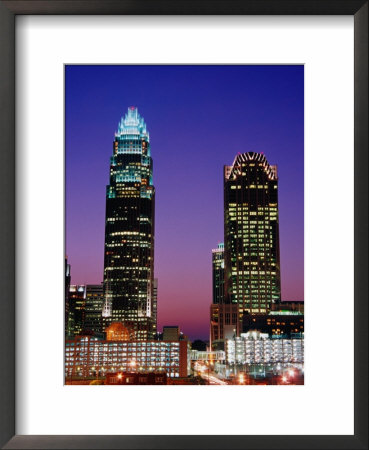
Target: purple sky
[(198, 117)]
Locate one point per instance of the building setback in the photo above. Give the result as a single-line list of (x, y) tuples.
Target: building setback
[(251, 234), (129, 230)]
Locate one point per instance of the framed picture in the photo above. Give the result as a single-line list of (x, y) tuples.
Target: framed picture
[(239, 124), (153, 214)]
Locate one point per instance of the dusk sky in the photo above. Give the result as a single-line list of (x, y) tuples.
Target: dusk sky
[(199, 118)]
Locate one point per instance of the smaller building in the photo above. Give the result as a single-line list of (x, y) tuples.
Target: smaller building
[(76, 311), (259, 348), (91, 357), (171, 333), (93, 308), (224, 324)]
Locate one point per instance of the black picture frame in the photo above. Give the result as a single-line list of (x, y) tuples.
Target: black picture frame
[(8, 12)]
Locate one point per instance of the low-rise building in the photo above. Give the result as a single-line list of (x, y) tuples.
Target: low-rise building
[(89, 356), (259, 348)]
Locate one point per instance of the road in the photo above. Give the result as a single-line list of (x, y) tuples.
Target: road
[(206, 374)]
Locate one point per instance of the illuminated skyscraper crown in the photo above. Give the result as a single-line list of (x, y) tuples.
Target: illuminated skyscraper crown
[(132, 124), (234, 170)]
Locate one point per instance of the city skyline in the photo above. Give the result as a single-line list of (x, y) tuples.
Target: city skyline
[(209, 134)]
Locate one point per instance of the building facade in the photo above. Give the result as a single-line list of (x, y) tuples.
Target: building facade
[(251, 234), (224, 316), (93, 308), (171, 333), (116, 331), (129, 229), (76, 310), (276, 323), (224, 323), (289, 306), (218, 273), (90, 357), (259, 348)]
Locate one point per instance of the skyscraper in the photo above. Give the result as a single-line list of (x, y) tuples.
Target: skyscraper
[(251, 234), (129, 230)]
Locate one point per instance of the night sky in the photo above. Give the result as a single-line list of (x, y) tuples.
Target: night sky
[(199, 118)]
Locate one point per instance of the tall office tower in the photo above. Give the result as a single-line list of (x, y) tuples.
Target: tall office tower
[(93, 308), (129, 230), (218, 273), (251, 234)]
